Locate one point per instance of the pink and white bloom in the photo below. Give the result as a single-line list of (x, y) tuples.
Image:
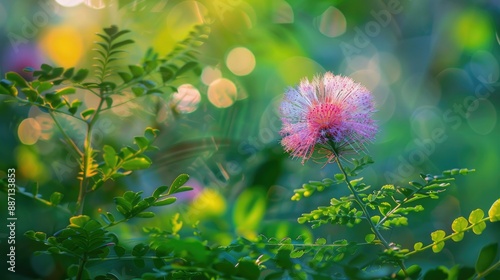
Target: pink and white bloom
[(333, 112)]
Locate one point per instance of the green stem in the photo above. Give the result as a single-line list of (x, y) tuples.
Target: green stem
[(87, 154), (68, 139), (446, 238), (490, 269), (363, 208), (81, 267)]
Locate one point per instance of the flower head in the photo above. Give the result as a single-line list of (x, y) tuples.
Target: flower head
[(333, 112)]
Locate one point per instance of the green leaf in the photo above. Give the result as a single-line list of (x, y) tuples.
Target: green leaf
[(494, 212), (486, 257), (167, 74), (40, 236), (375, 219), (126, 77), (186, 67), (459, 225), (437, 237), (369, 238), (249, 209), (121, 44), (69, 72), (136, 71), (17, 79), (142, 142), (151, 133), (182, 189), (417, 246), (55, 198), (339, 177), (119, 250), (80, 75), (79, 221), (384, 208), (110, 157), (355, 182), (160, 190), (138, 90), (87, 113), (247, 270), (66, 90), (475, 218), (140, 250), (296, 254), (320, 241), (145, 215), (136, 163), (166, 201), (178, 182)]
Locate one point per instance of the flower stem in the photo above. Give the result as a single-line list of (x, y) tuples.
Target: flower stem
[(363, 208)]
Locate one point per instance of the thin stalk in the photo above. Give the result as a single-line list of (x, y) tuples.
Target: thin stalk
[(490, 269), (87, 154), (81, 267), (363, 208), (68, 139)]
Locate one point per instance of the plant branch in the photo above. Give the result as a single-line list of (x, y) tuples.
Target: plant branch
[(446, 238), (68, 139), (87, 154), (363, 208), (490, 269)]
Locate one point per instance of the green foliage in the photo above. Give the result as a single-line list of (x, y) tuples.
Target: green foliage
[(476, 223)]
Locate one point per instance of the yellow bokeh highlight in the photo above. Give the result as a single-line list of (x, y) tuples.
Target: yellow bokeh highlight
[(29, 165), (222, 93), (208, 203), (240, 61), (29, 131), (63, 45), (473, 29)]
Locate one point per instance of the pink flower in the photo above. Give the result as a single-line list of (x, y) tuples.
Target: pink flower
[(333, 112)]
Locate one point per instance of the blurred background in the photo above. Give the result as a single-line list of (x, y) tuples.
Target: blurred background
[(432, 66)]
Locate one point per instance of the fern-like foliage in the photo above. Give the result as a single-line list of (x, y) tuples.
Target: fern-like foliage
[(108, 51)]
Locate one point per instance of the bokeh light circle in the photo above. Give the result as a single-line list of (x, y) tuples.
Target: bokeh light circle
[(186, 99), (29, 131), (240, 61), (332, 22), (222, 93), (425, 120), (389, 66), (210, 74), (482, 116), (368, 78), (63, 45), (484, 66), (95, 4), (69, 3)]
